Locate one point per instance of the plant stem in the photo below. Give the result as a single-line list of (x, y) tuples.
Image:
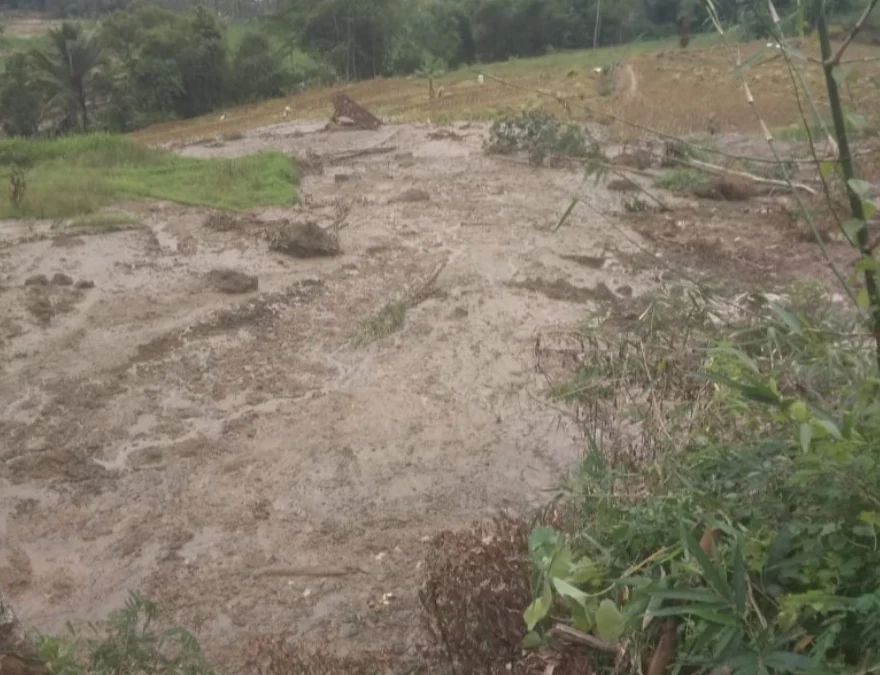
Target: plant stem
[(846, 162)]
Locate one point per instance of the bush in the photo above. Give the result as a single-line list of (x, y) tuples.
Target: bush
[(754, 535), (540, 135), (133, 644)]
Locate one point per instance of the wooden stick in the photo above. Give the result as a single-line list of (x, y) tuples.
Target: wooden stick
[(570, 634), (712, 168)]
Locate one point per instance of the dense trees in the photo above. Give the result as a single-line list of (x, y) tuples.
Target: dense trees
[(145, 62)]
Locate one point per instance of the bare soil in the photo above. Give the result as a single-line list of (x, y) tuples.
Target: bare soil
[(235, 457)]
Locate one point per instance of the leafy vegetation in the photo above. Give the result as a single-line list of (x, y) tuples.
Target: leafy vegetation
[(541, 136), (755, 531), (78, 175), (132, 643)]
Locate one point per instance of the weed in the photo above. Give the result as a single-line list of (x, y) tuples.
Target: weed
[(751, 537), (133, 644), (386, 321), (681, 180), (18, 184), (78, 175), (103, 221), (541, 136)]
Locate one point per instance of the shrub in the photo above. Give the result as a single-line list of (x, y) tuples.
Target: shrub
[(541, 136), (753, 536)]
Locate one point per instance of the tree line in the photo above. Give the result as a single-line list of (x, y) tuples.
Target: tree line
[(146, 63)]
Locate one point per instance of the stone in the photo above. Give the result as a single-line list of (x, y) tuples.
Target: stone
[(304, 240)]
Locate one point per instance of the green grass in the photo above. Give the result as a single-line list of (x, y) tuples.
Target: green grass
[(386, 321), (680, 180), (103, 221), (79, 175)]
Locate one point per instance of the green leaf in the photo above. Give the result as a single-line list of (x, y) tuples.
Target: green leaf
[(532, 640), (565, 214), (798, 411), (851, 228), (582, 618), (718, 614), (790, 320), (841, 73), (712, 573), (826, 167), (566, 590), (539, 608), (870, 518), (863, 299), (860, 187), (789, 662), (740, 579), (689, 595), (805, 435), (561, 563), (609, 621)]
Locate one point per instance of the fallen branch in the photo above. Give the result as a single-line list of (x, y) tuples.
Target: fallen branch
[(308, 571), (342, 157), (569, 634), (720, 170)]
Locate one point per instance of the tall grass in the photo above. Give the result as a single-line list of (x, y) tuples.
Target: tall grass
[(78, 175)]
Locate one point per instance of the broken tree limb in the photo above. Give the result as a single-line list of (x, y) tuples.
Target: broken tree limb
[(345, 156), (720, 170), (569, 634)]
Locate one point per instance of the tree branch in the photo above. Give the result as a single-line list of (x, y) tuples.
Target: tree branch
[(835, 60)]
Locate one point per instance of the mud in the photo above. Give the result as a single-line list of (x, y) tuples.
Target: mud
[(205, 449)]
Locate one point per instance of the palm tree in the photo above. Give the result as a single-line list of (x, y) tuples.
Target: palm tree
[(68, 69)]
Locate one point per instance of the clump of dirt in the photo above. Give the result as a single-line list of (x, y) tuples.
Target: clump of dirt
[(622, 185), (476, 586), (304, 240), (410, 196), (220, 221), (310, 164), (562, 289), (232, 281), (62, 279), (276, 656), (727, 187)]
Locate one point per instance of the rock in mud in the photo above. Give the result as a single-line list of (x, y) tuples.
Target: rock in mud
[(37, 280), (232, 281), (304, 240), (61, 279), (410, 196)]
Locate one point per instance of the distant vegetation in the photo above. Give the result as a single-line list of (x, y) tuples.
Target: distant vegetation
[(120, 66)]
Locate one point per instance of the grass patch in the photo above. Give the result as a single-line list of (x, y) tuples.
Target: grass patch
[(103, 221), (681, 180), (79, 175), (386, 321)]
